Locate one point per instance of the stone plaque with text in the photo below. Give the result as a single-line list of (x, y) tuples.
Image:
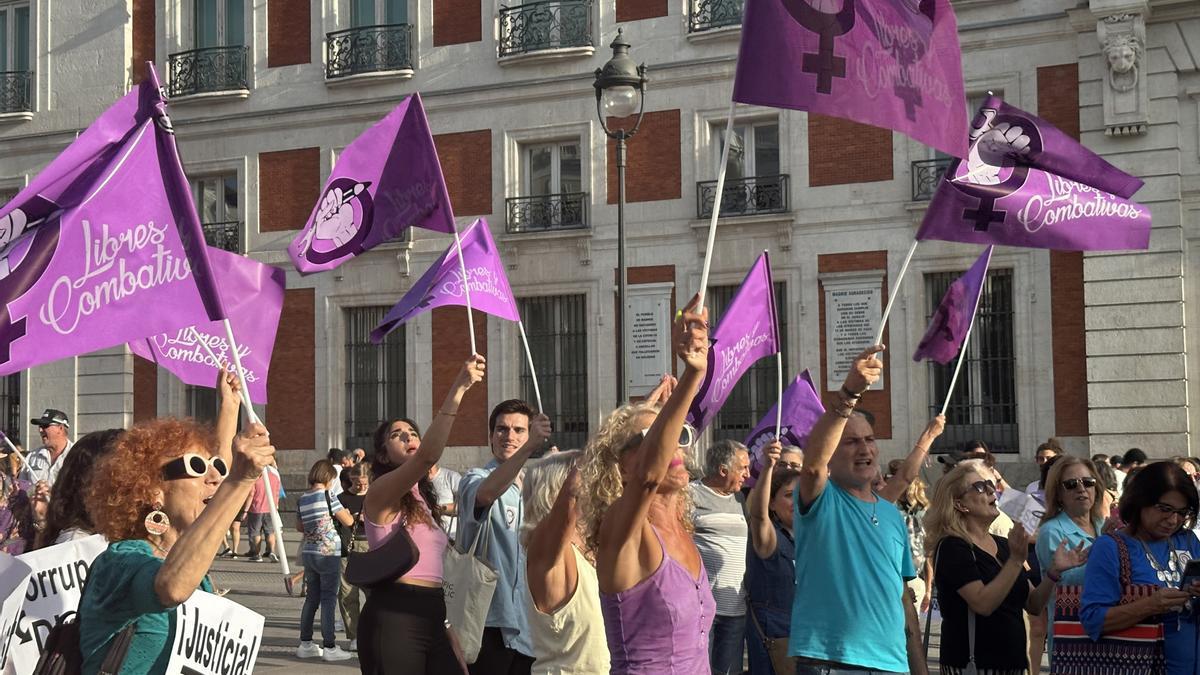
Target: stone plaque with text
[(853, 308), (647, 336)]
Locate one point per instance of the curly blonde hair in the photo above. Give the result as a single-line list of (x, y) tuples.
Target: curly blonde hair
[(942, 519)]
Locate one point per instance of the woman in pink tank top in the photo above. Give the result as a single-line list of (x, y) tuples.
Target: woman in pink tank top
[(402, 627), (657, 604)]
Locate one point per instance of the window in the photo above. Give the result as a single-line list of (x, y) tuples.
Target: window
[(220, 215), (551, 188), (757, 390), (378, 12), (753, 182), (201, 403), (556, 327), (375, 375), (984, 405), (14, 37), (552, 168), (753, 152), (219, 23), (10, 404)]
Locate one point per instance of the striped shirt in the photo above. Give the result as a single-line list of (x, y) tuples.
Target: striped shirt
[(721, 536), (316, 515)]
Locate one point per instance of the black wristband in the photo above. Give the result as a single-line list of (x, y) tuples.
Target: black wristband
[(850, 394)]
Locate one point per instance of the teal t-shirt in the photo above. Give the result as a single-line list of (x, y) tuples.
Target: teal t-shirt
[(120, 590), (850, 575), (1060, 528)]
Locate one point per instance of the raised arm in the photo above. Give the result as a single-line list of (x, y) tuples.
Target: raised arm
[(762, 532), (499, 480), (910, 470), (229, 396), (383, 499), (549, 547)]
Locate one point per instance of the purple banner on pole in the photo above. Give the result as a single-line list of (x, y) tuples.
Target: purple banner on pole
[(894, 64), (747, 331), (253, 294), (801, 410), (948, 327), (387, 180), (1026, 183), (442, 283)]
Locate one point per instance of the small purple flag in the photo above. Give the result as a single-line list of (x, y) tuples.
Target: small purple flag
[(1026, 183), (894, 64), (801, 410), (948, 327), (442, 283), (747, 332), (253, 294), (387, 180)]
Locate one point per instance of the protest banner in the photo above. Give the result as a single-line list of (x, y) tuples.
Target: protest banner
[(14, 579), (214, 636), (796, 413)]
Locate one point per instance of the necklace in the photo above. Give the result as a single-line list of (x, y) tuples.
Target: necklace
[(161, 550), (1169, 573), (874, 507)]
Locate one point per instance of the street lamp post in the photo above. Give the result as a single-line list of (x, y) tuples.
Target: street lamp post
[(620, 86)]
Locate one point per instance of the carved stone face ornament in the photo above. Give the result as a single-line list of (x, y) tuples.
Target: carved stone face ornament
[(1123, 52)]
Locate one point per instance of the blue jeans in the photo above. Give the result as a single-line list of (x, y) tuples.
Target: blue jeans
[(803, 669), (321, 573), (725, 645)]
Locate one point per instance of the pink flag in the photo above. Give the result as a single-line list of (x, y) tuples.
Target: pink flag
[(253, 295), (948, 327), (442, 283)]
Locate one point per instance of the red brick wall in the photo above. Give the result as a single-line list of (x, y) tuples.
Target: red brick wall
[(457, 21), (466, 159), (291, 386), (145, 389), (451, 347), (841, 152), (879, 403), (143, 37), (289, 35), (289, 182), (1058, 104), (653, 159), (633, 10)]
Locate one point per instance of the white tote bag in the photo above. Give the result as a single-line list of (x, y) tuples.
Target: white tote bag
[(469, 584)]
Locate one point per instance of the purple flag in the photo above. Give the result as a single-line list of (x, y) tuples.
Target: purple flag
[(442, 283), (253, 294), (747, 332), (948, 327), (1025, 183), (387, 180), (801, 410), (894, 64)]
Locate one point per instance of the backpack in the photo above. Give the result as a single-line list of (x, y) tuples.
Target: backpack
[(62, 656)]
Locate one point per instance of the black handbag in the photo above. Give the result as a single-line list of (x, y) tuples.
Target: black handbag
[(382, 565), (61, 655)]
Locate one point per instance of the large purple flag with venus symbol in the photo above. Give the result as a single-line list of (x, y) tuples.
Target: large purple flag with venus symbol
[(948, 327), (745, 332), (1026, 183), (104, 246), (253, 296), (801, 410), (387, 180), (442, 283), (894, 64)]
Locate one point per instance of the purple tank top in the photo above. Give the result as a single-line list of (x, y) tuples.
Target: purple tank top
[(661, 625)]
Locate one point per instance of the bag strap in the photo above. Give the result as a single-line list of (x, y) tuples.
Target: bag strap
[(1123, 556), (762, 634)]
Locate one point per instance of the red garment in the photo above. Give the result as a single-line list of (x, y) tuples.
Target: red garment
[(258, 498)]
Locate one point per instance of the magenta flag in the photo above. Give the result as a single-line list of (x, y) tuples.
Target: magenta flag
[(387, 180), (253, 294), (442, 283), (801, 410), (948, 327), (894, 64), (1026, 183), (747, 331)]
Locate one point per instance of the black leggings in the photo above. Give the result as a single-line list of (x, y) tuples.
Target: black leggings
[(402, 629), (496, 659)]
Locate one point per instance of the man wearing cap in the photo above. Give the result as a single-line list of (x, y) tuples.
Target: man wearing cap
[(44, 463)]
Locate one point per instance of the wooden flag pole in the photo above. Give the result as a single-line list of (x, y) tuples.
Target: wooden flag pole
[(962, 351), (537, 391), (892, 292), (462, 267), (716, 210)]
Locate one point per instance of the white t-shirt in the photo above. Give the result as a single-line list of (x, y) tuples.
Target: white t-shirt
[(445, 484)]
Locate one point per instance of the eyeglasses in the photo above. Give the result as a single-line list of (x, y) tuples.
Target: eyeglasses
[(1168, 510), (1072, 483), (687, 435), (792, 465), (193, 465), (982, 487)]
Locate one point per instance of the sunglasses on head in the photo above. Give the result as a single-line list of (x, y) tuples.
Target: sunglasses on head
[(1167, 509), (193, 465), (687, 435), (982, 487), (1072, 483)]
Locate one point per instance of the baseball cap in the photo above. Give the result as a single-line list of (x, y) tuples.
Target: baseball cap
[(51, 416)]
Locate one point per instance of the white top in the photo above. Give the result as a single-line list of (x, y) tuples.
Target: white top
[(721, 537), (570, 640), (445, 484), (39, 466)]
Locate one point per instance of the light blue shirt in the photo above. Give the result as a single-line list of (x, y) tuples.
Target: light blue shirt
[(1062, 528), (503, 550), (850, 577)]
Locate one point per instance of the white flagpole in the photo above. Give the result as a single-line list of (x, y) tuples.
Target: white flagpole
[(779, 401), (962, 352), (892, 292), (537, 391), (208, 350), (462, 267), (716, 209)]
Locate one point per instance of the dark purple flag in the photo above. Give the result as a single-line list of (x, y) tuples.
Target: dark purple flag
[(748, 331), (801, 410), (387, 180), (1025, 183), (894, 64), (948, 327)]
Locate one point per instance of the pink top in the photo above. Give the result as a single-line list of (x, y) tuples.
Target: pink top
[(431, 542)]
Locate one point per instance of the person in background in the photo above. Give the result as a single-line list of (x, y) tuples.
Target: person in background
[(1045, 452), (338, 459), (67, 516), (771, 568), (43, 464), (259, 527), (20, 507), (912, 505), (354, 540), (1134, 458), (445, 483), (316, 511), (1108, 482)]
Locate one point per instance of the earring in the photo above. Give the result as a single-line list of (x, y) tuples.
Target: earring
[(157, 523)]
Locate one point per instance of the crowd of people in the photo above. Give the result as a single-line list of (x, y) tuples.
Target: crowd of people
[(637, 554)]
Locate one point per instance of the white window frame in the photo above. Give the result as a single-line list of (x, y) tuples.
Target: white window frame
[(718, 129), (11, 33), (218, 180), (555, 165)]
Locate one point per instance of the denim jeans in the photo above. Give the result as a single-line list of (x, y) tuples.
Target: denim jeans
[(726, 642), (321, 573), (805, 669)]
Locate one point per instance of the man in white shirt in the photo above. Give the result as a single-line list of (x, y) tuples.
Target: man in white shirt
[(44, 463)]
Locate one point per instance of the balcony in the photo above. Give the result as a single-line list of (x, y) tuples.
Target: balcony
[(710, 15), (926, 174), (226, 236), (753, 196), (212, 72), (549, 29), (14, 94), (369, 51), (547, 213)]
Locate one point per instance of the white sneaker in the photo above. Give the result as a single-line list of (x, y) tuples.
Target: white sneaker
[(309, 650), (353, 645), (336, 653), (338, 625)]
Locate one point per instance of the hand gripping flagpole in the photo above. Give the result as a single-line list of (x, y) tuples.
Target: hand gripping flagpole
[(962, 352), (892, 292), (716, 208), (537, 392), (462, 267)]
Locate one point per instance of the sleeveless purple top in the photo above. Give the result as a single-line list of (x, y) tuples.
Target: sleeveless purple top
[(661, 625)]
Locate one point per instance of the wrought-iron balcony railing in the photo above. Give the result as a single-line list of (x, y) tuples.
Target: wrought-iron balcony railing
[(926, 174), (711, 14), (209, 70), (226, 236), (14, 91), (549, 24), (368, 49), (744, 196), (566, 211)]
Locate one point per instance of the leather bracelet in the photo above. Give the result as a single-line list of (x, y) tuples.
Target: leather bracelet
[(849, 394)]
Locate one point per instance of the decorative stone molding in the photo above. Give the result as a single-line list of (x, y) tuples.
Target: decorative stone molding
[(1126, 87), (584, 247)]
